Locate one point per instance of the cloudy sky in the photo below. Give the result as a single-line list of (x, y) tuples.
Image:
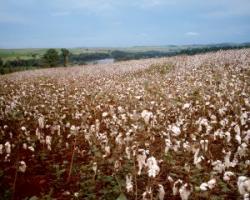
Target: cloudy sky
[(113, 23)]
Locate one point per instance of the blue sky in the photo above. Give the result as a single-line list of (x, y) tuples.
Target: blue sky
[(114, 23)]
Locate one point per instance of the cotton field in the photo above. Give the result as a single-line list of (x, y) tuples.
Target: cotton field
[(167, 128)]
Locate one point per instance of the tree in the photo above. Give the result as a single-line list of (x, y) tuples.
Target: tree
[(1, 62), (51, 57), (65, 54)]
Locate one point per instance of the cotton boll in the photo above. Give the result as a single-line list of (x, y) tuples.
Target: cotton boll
[(212, 183), (25, 146), (129, 183), (41, 122), (161, 192), (204, 187), (185, 191), (153, 168), (228, 176), (94, 167), (146, 115), (7, 147), (22, 166), (243, 184), (176, 186), (48, 140), (1, 149), (31, 148), (175, 129), (141, 159)]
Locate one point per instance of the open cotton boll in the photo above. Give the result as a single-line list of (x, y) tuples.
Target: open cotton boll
[(185, 191), (146, 115), (22, 166), (204, 187), (129, 183), (161, 192), (1, 149), (175, 129), (228, 175), (212, 183), (243, 184), (153, 168), (176, 186), (7, 147), (141, 159), (41, 123)]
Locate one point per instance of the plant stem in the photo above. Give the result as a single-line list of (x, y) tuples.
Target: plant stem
[(71, 162)]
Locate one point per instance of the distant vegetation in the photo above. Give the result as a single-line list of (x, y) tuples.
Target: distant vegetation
[(23, 59)]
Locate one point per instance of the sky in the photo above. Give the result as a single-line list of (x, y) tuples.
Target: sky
[(122, 23)]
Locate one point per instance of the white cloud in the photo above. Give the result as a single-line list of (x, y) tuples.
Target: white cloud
[(191, 33)]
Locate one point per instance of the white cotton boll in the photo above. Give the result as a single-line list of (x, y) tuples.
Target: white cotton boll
[(175, 129), (141, 159), (218, 166), (41, 122), (185, 191), (228, 175), (129, 183), (23, 128), (38, 134), (161, 192), (128, 153), (227, 159), (25, 146), (212, 183), (1, 149), (204, 187), (168, 145), (242, 150), (246, 196), (94, 167), (238, 138), (104, 114), (228, 136), (243, 184), (48, 140), (198, 159), (186, 106), (107, 151), (31, 148), (7, 147), (243, 118), (204, 145), (176, 186), (146, 115), (153, 168), (22, 166), (170, 179)]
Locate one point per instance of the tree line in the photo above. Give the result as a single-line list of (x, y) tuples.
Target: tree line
[(54, 58)]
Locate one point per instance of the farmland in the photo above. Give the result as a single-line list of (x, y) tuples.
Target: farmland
[(163, 128)]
